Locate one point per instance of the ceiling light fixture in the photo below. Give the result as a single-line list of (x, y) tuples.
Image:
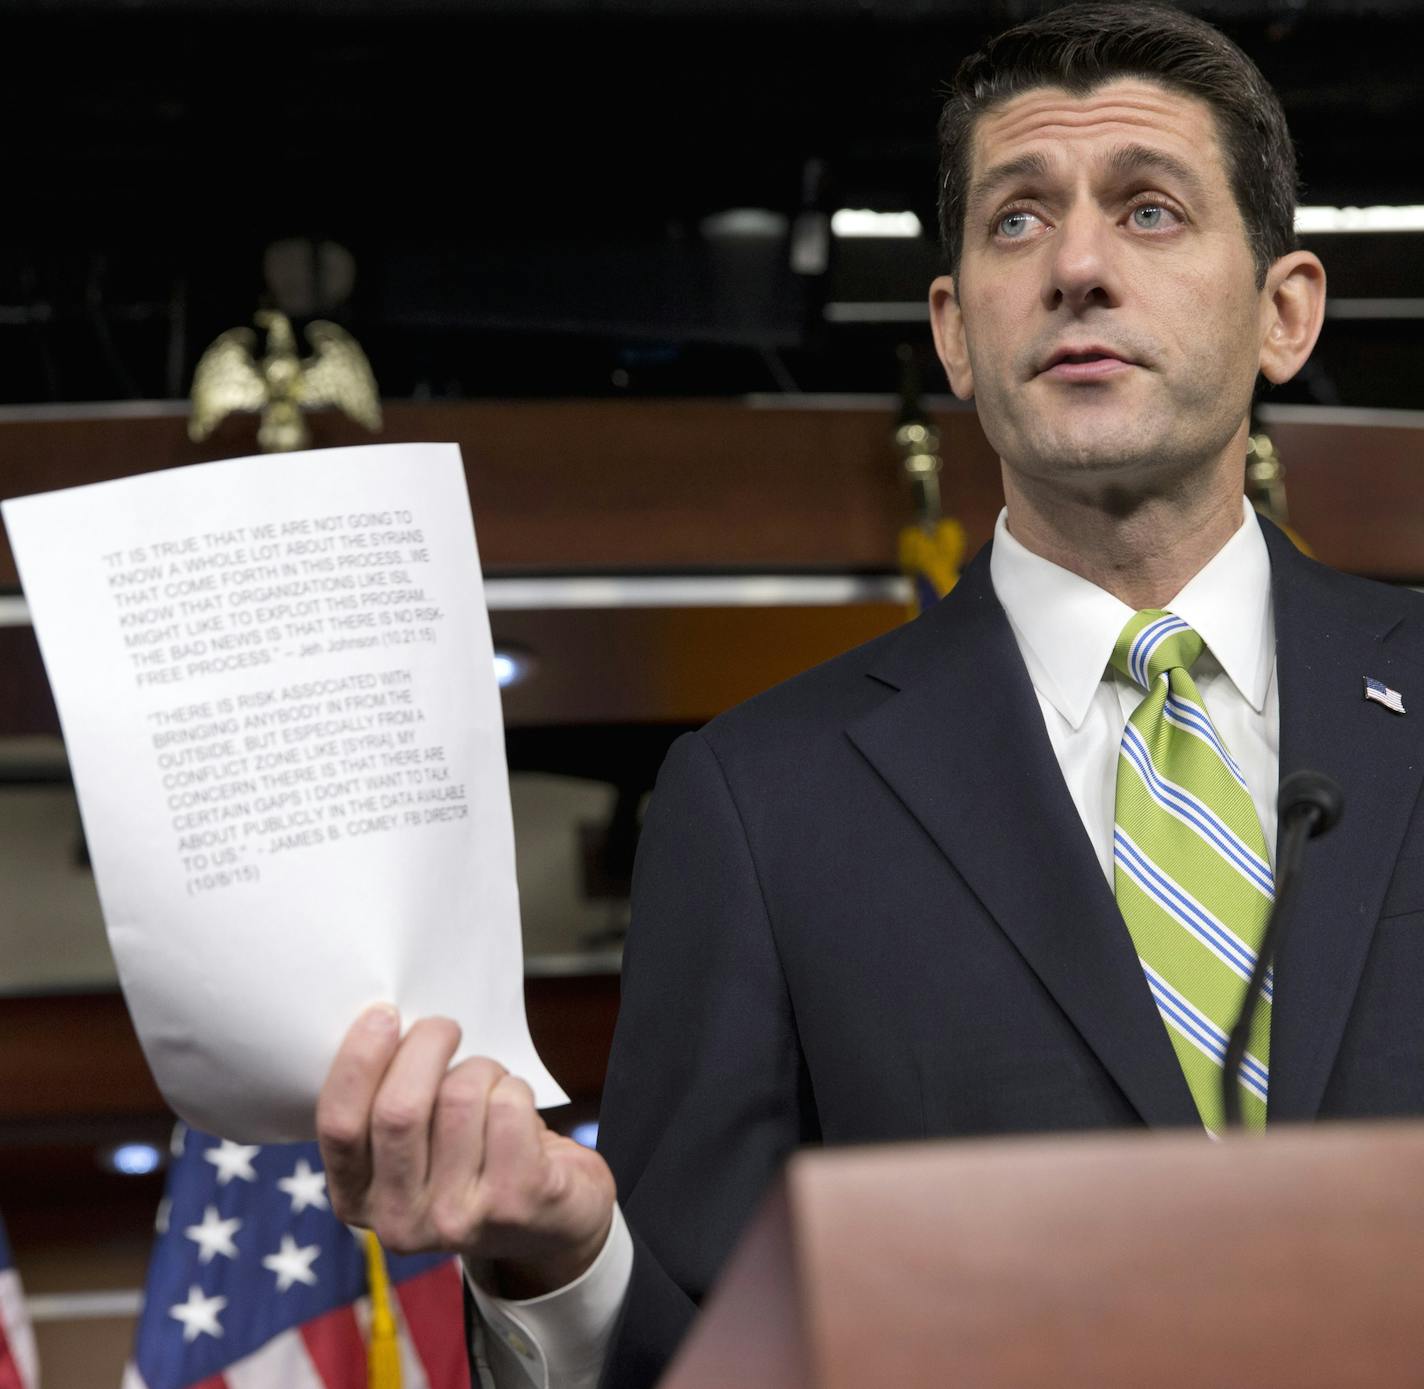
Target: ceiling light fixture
[(1312, 220), (861, 221)]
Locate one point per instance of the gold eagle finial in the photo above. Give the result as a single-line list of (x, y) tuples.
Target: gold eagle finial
[(229, 378)]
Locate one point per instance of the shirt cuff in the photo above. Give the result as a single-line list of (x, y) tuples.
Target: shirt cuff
[(562, 1337)]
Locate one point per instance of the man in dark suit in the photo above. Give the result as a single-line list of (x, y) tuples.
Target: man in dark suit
[(892, 899)]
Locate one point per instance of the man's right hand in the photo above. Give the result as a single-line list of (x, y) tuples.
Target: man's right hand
[(434, 1157)]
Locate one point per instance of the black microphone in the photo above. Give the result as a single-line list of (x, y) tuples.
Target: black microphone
[(1309, 803)]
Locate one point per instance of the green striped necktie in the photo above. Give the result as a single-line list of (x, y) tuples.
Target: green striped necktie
[(1189, 866)]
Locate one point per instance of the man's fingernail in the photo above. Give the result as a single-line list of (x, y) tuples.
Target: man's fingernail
[(380, 1018)]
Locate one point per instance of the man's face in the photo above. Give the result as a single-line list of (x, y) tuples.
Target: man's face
[(1103, 227)]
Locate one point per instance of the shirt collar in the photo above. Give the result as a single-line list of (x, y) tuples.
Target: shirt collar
[(1066, 627)]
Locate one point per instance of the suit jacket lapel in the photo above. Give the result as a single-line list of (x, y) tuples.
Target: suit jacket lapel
[(964, 747), (1331, 632)]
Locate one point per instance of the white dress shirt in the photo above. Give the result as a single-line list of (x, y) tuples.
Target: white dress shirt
[(1066, 629), (559, 1340)]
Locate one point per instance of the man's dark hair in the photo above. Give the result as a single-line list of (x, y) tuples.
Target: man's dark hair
[(1082, 46)]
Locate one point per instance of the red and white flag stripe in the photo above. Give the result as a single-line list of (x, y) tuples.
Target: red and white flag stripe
[(19, 1364), (330, 1351)]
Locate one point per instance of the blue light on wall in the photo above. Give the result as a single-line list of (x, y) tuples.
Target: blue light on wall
[(510, 667), (132, 1159)]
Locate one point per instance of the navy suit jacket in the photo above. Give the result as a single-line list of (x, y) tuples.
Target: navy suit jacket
[(866, 910)]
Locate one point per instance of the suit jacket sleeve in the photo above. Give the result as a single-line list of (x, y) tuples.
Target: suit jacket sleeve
[(706, 1092)]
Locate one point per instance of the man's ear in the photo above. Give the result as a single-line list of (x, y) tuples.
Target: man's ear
[(948, 325), (1292, 310)]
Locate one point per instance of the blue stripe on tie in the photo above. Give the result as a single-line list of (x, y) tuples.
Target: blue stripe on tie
[(1204, 1034), (1142, 643), (1152, 880), (1205, 1038), (1177, 801), (1186, 715), (1233, 952), (1250, 1066), (1147, 641), (1187, 1024)]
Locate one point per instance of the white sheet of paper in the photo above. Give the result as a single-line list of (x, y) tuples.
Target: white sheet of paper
[(276, 683)]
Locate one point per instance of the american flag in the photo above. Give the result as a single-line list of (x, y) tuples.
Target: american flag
[(19, 1367), (254, 1284), (1379, 691)]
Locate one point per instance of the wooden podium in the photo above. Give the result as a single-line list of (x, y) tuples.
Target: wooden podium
[(1292, 1260)]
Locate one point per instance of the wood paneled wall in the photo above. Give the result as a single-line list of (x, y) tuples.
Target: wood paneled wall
[(652, 485)]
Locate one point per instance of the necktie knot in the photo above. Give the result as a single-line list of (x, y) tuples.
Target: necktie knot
[(1153, 642)]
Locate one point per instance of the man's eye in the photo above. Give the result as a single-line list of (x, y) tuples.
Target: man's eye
[(1150, 216), (1015, 225)]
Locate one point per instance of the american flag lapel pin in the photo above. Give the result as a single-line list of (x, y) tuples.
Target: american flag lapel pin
[(1381, 693)]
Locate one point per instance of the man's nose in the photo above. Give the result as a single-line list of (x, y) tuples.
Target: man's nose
[(1082, 269)]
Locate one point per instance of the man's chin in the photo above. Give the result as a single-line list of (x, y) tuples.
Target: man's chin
[(1096, 456), (1086, 430)]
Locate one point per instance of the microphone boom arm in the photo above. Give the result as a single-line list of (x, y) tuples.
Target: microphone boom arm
[(1310, 803)]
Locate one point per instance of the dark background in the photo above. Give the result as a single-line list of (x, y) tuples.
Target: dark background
[(520, 191)]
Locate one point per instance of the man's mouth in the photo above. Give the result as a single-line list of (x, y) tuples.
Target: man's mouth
[(1085, 363)]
